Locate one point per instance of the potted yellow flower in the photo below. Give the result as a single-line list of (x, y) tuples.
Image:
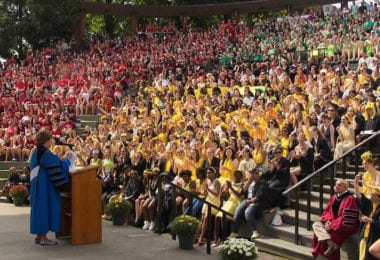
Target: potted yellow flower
[(19, 193), (119, 209), (185, 227)]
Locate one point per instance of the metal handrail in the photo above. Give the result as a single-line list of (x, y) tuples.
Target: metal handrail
[(307, 180), (190, 195), (302, 56), (298, 184)]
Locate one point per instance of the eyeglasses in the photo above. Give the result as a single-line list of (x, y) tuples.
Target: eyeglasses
[(277, 152), (270, 122)]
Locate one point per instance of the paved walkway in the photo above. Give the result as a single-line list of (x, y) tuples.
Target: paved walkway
[(119, 242)]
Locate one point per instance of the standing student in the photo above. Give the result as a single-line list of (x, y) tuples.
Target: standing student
[(369, 232), (47, 175)]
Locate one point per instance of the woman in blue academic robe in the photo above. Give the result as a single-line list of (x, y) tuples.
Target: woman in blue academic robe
[(48, 173)]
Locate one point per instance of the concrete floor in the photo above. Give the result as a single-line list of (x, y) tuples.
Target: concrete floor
[(119, 242)]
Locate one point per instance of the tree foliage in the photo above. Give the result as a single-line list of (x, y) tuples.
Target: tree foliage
[(39, 23), (36, 23)]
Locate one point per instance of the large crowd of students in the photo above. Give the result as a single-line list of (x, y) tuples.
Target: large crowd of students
[(282, 98)]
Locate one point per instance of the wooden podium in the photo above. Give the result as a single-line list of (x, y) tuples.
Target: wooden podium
[(82, 208)]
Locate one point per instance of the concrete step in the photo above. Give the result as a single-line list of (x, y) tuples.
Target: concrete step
[(286, 233), (326, 188), (90, 120), (282, 243), (92, 124), (314, 195), (283, 248), (4, 167), (314, 206), (289, 217), (89, 117), (281, 239)]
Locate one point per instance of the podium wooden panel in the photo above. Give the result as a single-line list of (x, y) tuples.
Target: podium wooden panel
[(82, 208)]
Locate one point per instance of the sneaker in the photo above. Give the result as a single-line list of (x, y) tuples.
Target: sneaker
[(152, 225), (255, 234), (146, 225), (233, 235), (106, 217), (47, 242)]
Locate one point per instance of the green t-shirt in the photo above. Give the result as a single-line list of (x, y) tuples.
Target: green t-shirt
[(368, 25)]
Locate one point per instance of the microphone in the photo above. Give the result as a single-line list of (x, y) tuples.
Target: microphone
[(58, 142)]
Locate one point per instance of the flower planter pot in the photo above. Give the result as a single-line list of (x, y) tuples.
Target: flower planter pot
[(118, 219), (186, 242), (18, 201)]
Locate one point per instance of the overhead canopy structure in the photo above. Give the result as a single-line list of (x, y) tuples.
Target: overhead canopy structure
[(134, 11), (199, 9)]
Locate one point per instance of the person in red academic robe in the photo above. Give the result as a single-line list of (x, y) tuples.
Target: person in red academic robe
[(338, 221)]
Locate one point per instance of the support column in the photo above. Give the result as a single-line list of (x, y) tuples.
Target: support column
[(344, 4), (79, 34), (134, 25), (288, 9), (184, 19), (235, 17)]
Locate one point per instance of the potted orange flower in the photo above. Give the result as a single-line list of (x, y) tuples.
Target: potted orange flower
[(185, 227), (18, 193), (119, 209)]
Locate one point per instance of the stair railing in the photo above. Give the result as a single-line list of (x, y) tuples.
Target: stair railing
[(330, 167), (174, 213)]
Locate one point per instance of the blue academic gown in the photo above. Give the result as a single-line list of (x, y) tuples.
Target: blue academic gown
[(45, 200)]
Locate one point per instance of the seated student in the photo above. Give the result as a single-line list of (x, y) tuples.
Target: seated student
[(131, 191), (259, 198), (186, 183), (200, 182), (148, 208), (133, 188), (25, 180), (109, 189), (13, 179)]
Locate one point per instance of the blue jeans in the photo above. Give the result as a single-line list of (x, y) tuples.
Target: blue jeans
[(247, 212), (197, 206)]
